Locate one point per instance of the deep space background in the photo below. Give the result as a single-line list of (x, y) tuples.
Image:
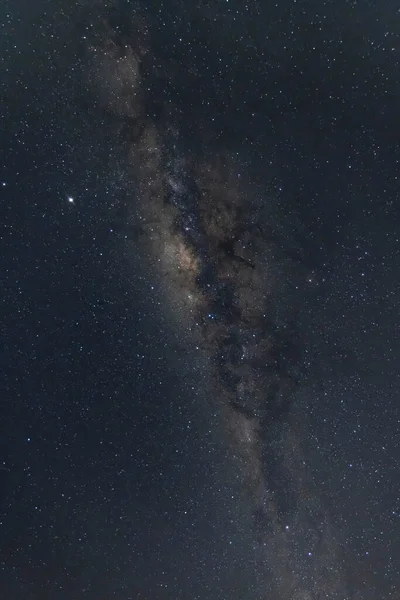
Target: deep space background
[(122, 471)]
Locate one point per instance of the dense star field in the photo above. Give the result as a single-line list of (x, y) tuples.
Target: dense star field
[(200, 300)]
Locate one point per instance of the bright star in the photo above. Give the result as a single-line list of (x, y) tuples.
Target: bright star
[(70, 199)]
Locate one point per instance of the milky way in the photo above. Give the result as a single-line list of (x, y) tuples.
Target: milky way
[(208, 234)]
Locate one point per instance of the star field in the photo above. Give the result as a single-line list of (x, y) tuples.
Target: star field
[(200, 301)]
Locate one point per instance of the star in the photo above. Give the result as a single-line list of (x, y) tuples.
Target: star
[(70, 200)]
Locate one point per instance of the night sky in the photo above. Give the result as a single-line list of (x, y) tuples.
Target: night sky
[(200, 300)]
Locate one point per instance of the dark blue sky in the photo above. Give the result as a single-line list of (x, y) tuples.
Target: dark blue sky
[(114, 480)]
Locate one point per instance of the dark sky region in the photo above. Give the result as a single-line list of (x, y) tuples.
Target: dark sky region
[(200, 300)]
